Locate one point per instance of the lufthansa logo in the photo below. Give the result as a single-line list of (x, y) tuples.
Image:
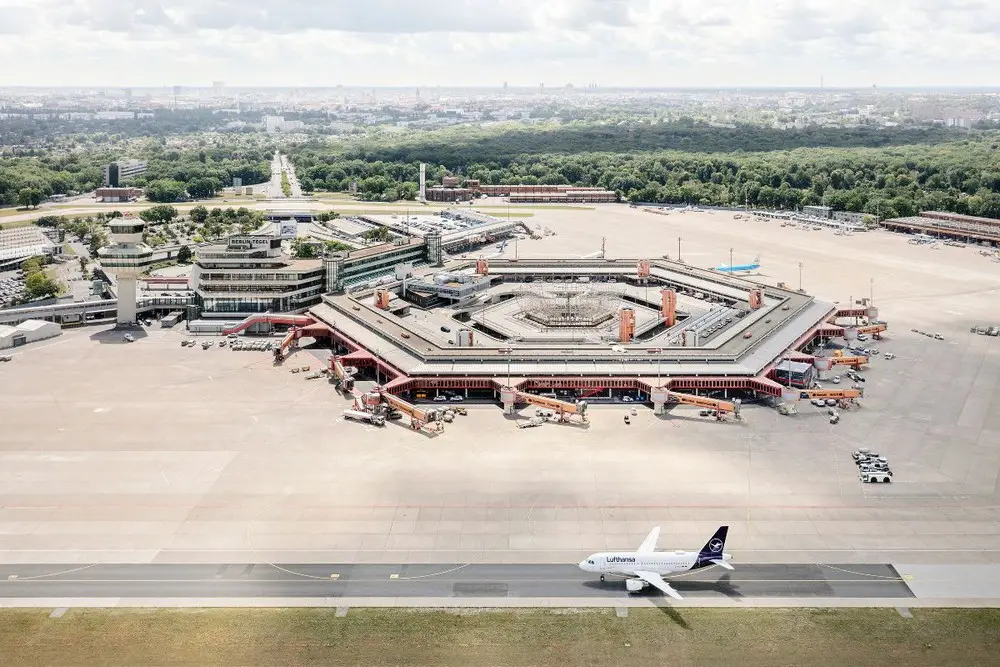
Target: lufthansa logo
[(715, 545)]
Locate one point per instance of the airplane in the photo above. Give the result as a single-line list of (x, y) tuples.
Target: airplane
[(745, 267), (645, 566)]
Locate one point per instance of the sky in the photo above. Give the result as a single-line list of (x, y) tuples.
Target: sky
[(653, 43)]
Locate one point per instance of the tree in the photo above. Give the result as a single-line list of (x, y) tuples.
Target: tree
[(31, 266), (161, 213), (184, 254), (49, 221), (38, 285), (198, 214), (303, 249), (203, 188), (98, 239), (165, 191), (336, 246), (378, 234), (30, 197)]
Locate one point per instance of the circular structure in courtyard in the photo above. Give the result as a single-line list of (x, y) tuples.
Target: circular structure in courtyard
[(569, 308)]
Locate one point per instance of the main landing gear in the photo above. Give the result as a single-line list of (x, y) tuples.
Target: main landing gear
[(602, 577)]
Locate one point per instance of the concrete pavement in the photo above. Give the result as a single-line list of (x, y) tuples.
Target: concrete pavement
[(437, 581)]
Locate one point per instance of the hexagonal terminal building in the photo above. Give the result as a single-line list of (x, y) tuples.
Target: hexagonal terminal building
[(126, 259), (580, 328)]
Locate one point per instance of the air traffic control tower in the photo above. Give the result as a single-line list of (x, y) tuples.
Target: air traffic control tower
[(127, 258)]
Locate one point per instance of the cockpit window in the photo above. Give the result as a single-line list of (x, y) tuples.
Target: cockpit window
[(590, 562)]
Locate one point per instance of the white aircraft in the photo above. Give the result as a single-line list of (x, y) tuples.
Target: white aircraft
[(645, 566)]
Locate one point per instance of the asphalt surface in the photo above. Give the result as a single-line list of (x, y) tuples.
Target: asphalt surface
[(439, 581)]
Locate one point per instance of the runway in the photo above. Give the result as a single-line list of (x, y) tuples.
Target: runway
[(261, 580)]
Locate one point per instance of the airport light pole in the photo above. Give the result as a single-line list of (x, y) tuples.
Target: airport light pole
[(800, 276), (730, 259), (507, 351), (657, 351), (678, 248)]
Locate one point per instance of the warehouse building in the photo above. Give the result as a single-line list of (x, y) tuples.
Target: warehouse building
[(29, 331)]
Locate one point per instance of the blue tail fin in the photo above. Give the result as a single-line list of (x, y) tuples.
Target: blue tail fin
[(714, 547)]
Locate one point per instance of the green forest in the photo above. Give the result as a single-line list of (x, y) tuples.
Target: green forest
[(886, 172), (172, 175)]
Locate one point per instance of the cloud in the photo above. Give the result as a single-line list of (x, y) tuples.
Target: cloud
[(469, 42)]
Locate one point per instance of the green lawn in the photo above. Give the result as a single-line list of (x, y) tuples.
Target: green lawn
[(669, 636)]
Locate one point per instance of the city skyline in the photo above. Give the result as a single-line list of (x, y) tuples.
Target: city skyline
[(612, 43)]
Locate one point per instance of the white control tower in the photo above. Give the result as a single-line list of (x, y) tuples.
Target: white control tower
[(126, 258)]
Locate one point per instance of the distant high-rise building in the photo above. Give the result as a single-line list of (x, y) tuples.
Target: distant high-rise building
[(217, 86), (121, 171), (128, 93)]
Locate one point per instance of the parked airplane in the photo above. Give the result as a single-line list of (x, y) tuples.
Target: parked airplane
[(738, 269), (645, 566)]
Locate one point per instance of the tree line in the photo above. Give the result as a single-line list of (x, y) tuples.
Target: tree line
[(172, 174), (961, 175)]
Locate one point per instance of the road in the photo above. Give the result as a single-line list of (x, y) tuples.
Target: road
[(280, 164), (247, 580)]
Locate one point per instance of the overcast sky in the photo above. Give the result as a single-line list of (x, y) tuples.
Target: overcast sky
[(487, 42)]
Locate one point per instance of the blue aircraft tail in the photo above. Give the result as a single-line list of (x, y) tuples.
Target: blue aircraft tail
[(714, 548)]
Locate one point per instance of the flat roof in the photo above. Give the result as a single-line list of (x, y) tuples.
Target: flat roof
[(745, 348)]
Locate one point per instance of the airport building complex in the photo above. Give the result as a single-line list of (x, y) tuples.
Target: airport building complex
[(968, 228)]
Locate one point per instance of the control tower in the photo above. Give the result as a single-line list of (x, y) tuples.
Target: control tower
[(126, 258)]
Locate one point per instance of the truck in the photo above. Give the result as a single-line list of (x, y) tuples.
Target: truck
[(534, 421), (358, 415)]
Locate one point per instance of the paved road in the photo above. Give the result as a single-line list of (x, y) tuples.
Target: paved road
[(437, 581)]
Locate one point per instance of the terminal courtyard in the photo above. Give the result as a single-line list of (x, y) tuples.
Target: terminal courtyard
[(152, 452)]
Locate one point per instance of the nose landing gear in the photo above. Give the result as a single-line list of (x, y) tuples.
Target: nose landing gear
[(602, 577)]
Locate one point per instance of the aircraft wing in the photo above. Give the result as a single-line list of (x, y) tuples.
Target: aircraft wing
[(653, 579), (649, 544)]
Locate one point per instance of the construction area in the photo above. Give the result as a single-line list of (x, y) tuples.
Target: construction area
[(652, 409)]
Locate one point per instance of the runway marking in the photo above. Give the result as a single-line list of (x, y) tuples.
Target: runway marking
[(432, 574), (40, 577), (860, 574)]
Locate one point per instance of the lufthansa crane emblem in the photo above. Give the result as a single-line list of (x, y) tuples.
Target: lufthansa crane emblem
[(715, 545)]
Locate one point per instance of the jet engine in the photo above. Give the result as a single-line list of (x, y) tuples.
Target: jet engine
[(634, 585)]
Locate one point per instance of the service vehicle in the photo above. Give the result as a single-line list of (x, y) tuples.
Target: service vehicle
[(877, 477)]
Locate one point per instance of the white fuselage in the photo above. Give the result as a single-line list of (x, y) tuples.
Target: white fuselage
[(627, 563)]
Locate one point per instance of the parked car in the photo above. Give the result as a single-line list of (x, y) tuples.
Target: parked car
[(456, 397), (938, 336), (890, 356), (440, 398), (128, 338)]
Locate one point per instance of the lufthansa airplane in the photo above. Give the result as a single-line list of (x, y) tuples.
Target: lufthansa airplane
[(646, 566)]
